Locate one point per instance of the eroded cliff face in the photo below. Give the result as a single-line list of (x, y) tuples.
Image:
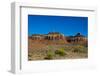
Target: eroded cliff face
[(57, 46), (58, 38)]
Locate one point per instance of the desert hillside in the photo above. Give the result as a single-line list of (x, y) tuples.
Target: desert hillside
[(55, 49)]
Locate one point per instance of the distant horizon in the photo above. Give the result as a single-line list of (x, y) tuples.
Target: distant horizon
[(67, 25)]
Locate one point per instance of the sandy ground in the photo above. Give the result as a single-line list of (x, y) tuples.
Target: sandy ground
[(37, 50)]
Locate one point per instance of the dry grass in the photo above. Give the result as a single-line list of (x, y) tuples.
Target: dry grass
[(41, 50)]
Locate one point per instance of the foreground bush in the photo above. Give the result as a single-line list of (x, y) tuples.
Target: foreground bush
[(60, 52), (29, 56), (50, 55), (80, 49)]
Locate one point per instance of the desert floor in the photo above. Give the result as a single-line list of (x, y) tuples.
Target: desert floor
[(46, 51)]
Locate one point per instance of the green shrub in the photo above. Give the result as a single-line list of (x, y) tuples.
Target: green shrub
[(80, 49), (60, 52), (29, 59), (50, 55), (29, 54), (76, 50)]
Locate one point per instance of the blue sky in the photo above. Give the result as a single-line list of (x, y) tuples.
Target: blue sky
[(68, 25)]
